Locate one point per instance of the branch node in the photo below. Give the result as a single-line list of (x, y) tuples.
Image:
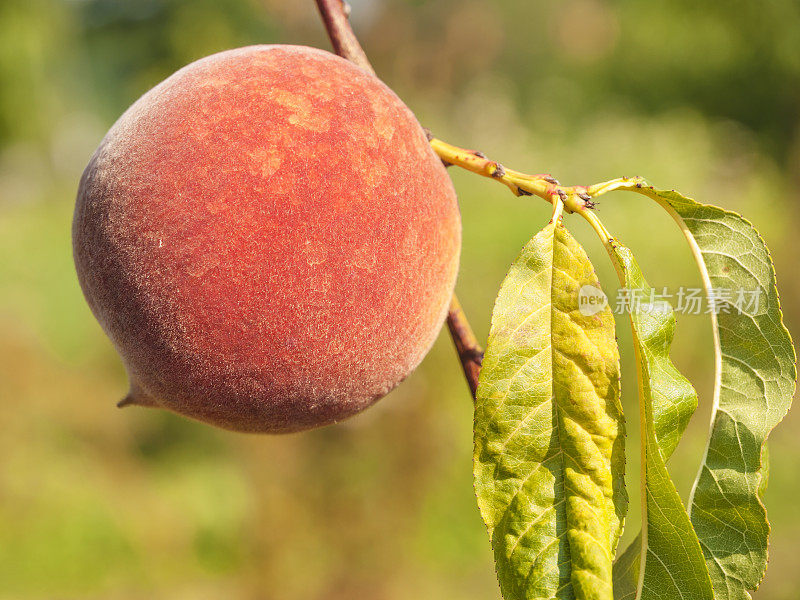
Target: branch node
[(499, 170), (476, 356)]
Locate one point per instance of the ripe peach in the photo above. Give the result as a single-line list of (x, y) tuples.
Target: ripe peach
[(268, 239)]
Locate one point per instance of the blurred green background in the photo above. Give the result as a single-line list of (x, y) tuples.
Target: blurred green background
[(100, 503)]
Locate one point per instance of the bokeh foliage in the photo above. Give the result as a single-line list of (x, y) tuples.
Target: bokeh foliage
[(100, 503)]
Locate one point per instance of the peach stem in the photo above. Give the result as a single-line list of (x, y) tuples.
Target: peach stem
[(334, 14)]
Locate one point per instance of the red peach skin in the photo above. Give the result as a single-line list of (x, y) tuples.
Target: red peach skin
[(268, 239)]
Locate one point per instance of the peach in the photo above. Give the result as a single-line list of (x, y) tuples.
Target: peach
[(268, 240)]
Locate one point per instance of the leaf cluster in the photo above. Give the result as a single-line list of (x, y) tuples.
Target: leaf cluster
[(549, 430)]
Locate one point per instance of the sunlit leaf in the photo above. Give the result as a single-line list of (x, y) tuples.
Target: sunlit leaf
[(674, 566), (549, 434), (754, 385)]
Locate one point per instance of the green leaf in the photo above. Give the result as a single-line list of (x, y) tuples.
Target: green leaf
[(549, 431), (755, 381), (668, 547)]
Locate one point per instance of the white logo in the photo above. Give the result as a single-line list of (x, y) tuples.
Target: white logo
[(591, 300)]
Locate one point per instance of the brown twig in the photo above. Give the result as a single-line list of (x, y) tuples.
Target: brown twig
[(345, 43), (467, 346), (334, 15)]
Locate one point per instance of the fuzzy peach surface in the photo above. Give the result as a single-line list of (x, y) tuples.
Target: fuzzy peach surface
[(268, 239)]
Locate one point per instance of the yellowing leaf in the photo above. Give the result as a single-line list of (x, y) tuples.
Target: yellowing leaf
[(549, 433)]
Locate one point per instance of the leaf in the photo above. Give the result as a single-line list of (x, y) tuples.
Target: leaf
[(674, 566), (549, 431), (754, 385)]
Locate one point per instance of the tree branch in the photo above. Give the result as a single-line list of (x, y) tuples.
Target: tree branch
[(345, 43), (467, 346), (334, 14)]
